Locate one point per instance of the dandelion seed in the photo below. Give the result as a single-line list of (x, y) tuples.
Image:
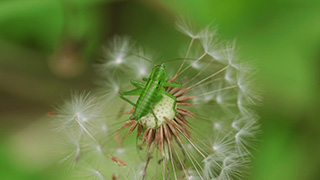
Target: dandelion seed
[(108, 90), (187, 28), (82, 109), (71, 151)]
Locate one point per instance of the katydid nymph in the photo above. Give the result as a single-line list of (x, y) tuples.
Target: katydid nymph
[(150, 92)]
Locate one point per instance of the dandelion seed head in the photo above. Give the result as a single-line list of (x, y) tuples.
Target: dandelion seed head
[(214, 101)]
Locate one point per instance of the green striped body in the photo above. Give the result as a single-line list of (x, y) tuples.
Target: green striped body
[(151, 94)]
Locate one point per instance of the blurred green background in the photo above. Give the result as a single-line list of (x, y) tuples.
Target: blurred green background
[(48, 48)]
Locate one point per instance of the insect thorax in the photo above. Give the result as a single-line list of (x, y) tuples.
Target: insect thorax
[(159, 72)]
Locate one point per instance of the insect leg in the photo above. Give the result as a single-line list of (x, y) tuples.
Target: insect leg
[(126, 99), (145, 79), (172, 84), (137, 91), (168, 94), (155, 117), (138, 84)]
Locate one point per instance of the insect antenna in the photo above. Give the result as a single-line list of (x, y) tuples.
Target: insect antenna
[(178, 59), (142, 57), (139, 56)]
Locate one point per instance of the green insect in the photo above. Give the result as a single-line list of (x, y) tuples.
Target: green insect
[(151, 92)]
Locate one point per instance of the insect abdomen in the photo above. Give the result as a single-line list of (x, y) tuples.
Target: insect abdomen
[(148, 98)]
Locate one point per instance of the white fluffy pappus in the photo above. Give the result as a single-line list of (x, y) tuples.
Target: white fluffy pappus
[(82, 112), (82, 132)]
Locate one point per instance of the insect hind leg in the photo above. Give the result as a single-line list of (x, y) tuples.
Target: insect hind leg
[(155, 117)]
